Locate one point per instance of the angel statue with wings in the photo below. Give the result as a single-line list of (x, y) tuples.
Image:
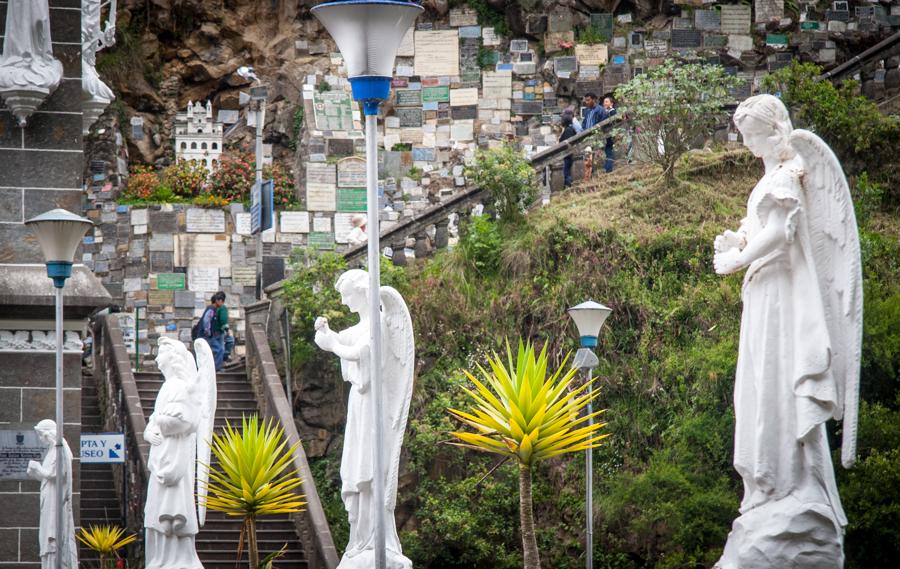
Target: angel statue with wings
[(357, 461), (799, 351), (179, 431)]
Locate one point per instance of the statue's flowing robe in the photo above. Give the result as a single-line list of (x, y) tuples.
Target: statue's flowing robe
[(176, 414), (47, 530), (27, 59), (784, 387)]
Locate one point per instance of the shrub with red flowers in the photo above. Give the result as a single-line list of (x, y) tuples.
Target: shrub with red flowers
[(187, 178), (142, 183), (236, 172)]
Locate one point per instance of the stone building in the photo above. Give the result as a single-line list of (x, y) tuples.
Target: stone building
[(198, 136)]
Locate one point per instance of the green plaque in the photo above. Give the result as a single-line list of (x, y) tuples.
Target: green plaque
[(809, 25), (602, 25), (321, 240), (776, 39), (351, 199), (440, 94), (170, 281)]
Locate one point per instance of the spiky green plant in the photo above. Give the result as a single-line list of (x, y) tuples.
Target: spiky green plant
[(520, 412), (106, 540), (252, 478)]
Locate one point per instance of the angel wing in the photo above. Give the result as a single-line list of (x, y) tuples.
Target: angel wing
[(206, 389), (398, 365), (834, 241)]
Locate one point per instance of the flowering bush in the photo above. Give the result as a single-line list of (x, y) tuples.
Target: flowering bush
[(236, 173), (142, 183), (209, 200), (187, 178), (508, 176)]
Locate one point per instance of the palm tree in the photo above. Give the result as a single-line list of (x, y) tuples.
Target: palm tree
[(519, 412), (251, 480)]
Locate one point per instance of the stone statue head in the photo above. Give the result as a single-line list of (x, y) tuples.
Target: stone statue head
[(765, 126), (46, 432), (174, 360), (354, 288)]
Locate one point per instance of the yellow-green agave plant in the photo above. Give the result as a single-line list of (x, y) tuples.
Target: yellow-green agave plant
[(105, 539)]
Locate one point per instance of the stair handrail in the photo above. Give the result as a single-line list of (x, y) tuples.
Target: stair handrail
[(873, 53), (122, 412), (273, 403)]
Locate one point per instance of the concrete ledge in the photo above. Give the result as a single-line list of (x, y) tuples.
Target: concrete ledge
[(27, 292)]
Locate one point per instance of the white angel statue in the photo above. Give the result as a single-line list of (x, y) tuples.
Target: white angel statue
[(357, 461), (179, 432), (799, 355)]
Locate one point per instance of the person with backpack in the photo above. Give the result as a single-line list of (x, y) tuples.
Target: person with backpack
[(213, 327)]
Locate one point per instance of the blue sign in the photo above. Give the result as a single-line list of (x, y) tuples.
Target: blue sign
[(262, 206), (102, 447)]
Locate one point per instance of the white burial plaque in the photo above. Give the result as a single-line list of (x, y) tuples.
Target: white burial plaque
[(321, 224), (200, 220), (245, 276), (351, 173), (295, 222), (342, 226), (242, 225), (596, 54), (496, 85), (321, 182), (203, 279), (465, 97), (202, 251), (437, 53)]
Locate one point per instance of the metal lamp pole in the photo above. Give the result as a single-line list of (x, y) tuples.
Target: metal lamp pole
[(59, 233), (368, 34), (589, 317)]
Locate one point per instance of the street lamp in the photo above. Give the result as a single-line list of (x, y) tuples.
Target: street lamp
[(368, 34), (59, 233), (589, 317)]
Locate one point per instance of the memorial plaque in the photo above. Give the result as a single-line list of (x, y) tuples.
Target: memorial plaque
[(518, 46), (170, 281), (137, 128), (687, 39), (489, 37), (463, 17), (464, 113), (408, 97), (740, 43), (565, 66), (245, 276), (162, 242), (778, 41), (321, 181), (468, 32), (342, 226), (200, 220), (294, 222), (202, 250), (837, 15), (656, 47), (160, 297), (715, 41), (682, 24), (437, 53), (321, 239), (407, 45), (17, 447), (333, 110), (423, 154), (768, 10), (409, 118), (636, 40), (351, 173), (707, 20), (735, 19), (595, 54), (463, 97), (242, 224), (522, 107), (462, 130), (436, 94), (203, 279), (496, 85), (351, 199), (339, 147), (602, 24)]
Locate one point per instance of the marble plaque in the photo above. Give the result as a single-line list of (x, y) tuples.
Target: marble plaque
[(160, 297), (522, 107), (17, 447), (351, 173), (687, 39), (321, 224), (565, 66), (162, 242), (203, 279), (409, 118), (437, 53), (321, 181), (201, 220), (408, 97), (463, 97), (735, 19), (333, 110), (245, 276), (204, 250), (768, 10), (656, 47), (496, 85), (295, 222), (407, 45), (489, 37), (518, 46), (468, 32), (342, 226), (423, 154), (595, 54), (242, 225), (139, 217), (706, 20), (462, 130), (463, 17)]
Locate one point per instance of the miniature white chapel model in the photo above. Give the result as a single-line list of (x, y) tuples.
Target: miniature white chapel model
[(198, 136)]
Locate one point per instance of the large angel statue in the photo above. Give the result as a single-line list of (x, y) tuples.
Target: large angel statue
[(95, 94), (799, 355), (27, 63), (50, 475), (357, 461), (179, 432)]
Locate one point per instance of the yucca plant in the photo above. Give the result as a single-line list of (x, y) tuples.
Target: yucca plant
[(252, 478), (106, 540), (522, 413)]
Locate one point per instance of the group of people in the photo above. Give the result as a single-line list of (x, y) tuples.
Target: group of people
[(213, 327), (594, 113)]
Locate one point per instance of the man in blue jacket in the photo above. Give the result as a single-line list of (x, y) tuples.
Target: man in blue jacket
[(595, 113)]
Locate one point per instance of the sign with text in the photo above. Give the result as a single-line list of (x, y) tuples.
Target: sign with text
[(261, 206), (170, 281), (17, 447), (102, 448)]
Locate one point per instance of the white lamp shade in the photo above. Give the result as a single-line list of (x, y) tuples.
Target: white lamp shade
[(589, 318), (59, 233), (368, 33)]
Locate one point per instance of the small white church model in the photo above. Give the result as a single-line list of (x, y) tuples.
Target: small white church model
[(198, 136)]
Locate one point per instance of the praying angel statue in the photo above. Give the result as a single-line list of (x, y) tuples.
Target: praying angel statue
[(799, 350)]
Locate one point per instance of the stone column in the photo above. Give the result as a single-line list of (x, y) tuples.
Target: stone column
[(398, 247), (422, 247), (441, 234)]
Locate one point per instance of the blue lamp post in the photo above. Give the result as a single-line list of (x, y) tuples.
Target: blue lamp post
[(368, 34), (589, 318), (59, 233)]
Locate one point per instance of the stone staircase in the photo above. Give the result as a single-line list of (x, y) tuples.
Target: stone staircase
[(217, 541), (100, 504)]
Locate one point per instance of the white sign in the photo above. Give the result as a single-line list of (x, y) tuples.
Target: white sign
[(203, 279), (242, 223), (102, 447), (295, 222), (437, 53)]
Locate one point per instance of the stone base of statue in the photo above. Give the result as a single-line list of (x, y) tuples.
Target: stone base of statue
[(23, 102), (785, 534), (366, 560), (91, 109)]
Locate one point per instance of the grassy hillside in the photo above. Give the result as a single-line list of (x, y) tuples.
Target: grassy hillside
[(666, 492)]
